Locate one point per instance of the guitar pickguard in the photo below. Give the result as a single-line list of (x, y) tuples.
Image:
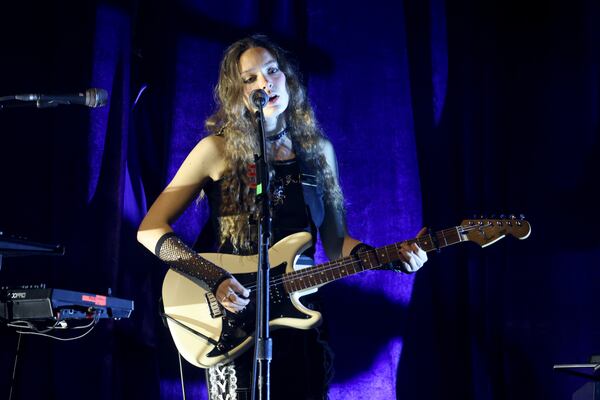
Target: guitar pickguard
[(236, 327)]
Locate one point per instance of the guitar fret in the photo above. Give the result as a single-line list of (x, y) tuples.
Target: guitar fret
[(387, 253), (454, 237), (382, 256), (325, 276), (397, 248), (286, 284), (354, 265), (290, 284), (316, 279), (395, 253), (295, 283), (312, 279), (340, 269), (426, 243), (373, 261), (368, 260), (336, 269), (460, 239), (441, 236), (329, 273), (304, 281), (308, 282), (322, 278)]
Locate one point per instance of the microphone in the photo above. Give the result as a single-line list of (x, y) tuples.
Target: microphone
[(259, 98), (91, 98)]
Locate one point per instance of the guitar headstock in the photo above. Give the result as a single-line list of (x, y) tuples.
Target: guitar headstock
[(486, 231)]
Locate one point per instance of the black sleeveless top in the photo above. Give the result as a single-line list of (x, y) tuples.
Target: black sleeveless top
[(289, 209)]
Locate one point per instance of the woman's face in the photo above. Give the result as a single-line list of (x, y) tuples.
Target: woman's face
[(259, 70)]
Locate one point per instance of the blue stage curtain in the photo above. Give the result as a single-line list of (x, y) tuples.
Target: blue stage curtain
[(437, 109)]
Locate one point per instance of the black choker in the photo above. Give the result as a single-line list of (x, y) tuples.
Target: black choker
[(278, 136)]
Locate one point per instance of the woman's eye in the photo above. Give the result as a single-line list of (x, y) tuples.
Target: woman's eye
[(273, 70), (249, 79)]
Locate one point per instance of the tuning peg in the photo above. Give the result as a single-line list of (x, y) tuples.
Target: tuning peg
[(522, 216), (502, 216), (512, 216)]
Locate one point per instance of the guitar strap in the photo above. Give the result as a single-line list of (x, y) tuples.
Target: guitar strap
[(313, 194)]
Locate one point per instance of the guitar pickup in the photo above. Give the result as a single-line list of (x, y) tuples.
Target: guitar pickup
[(213, 305)]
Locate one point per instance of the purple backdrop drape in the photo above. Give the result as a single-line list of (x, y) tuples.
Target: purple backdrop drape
[(437, 109)]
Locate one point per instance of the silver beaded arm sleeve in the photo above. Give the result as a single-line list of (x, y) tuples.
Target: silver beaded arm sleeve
[(172, 250)]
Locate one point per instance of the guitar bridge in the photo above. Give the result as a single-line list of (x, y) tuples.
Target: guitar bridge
[(213, 305)]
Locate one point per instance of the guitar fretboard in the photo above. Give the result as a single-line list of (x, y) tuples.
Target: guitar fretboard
[(368, 260)]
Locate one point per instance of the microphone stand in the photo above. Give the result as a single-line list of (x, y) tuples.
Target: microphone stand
[(262, 343)]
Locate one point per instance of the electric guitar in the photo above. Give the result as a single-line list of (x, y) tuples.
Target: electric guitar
[(206, 334)]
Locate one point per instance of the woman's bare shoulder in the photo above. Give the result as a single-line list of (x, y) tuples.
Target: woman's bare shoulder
[(211, 143), (206, 158)]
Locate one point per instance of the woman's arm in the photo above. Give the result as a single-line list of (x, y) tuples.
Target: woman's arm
[(204, 162), (334, 234)]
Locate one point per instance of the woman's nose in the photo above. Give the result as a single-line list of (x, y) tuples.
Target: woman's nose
[(266, 83)]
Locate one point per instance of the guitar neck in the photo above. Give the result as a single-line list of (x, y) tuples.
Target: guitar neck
[(347, 266)]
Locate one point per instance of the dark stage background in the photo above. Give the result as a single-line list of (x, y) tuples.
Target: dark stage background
[(438, 110)]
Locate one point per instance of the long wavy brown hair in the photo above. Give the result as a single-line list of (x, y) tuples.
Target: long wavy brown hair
[(234, 123)]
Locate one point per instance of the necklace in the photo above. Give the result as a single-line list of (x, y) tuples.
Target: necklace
[(277, 136)]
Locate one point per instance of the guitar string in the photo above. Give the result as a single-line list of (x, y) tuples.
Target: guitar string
[(341, 263), (275, 282), (330, 265), (335, 265)]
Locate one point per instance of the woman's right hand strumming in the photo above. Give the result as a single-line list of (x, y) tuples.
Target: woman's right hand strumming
[(232, 295)]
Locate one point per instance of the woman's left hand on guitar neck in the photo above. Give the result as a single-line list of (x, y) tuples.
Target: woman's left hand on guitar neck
[(414, 256)]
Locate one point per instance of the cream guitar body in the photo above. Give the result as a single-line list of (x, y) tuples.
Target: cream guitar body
[(188, 303)]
